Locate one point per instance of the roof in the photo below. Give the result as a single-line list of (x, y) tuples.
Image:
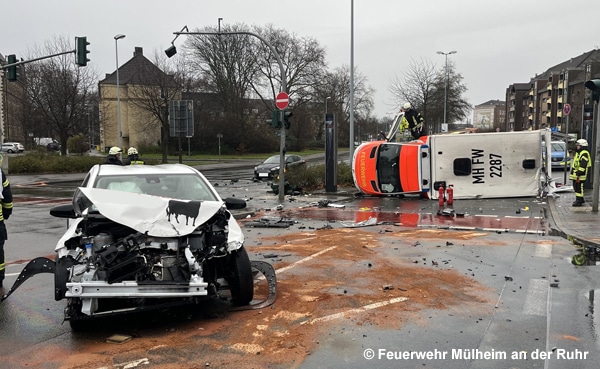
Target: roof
[(573, 63), (113, 170), (491, 102), (139, 71)]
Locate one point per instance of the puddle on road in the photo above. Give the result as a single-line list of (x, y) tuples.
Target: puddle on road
[(408, 219), (43, 189)]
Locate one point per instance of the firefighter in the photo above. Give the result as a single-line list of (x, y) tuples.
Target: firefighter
[(114, 156), (582, 162), (133, 157), (5, 212), (415, 121)]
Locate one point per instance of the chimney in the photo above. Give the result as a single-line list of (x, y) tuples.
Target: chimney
[(138, 51)]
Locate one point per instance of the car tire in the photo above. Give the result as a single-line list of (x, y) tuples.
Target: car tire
[(77, 320), (241, 281)]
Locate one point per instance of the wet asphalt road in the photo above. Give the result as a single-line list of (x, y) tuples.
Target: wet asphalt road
[(535, 302)]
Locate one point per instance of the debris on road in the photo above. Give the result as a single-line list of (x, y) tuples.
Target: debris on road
[(365, 223), (270, 223)]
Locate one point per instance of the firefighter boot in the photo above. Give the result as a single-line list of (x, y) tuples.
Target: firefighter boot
[(578, 201)]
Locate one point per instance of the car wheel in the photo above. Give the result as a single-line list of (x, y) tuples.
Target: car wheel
[(77, 320), (240, 280), (9, 151)]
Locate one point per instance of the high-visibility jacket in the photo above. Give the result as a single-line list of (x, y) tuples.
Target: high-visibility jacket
[(414, 118), (581, 163), (6, 202)]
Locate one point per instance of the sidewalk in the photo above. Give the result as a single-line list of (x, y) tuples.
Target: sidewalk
[(577, 223)]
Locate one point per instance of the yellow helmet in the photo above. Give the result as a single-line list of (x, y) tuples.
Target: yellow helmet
[(114, 150), (132, 151), (406, 106)]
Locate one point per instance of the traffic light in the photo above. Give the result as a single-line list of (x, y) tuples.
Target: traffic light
[(275, 122), (286, 119), (81, 51), (13, 71), (594, 85)]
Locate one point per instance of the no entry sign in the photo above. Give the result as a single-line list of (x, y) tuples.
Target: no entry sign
[(282, 100)]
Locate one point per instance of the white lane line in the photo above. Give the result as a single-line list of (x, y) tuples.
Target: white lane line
[(305, 259), (356, 310), (536, 300)]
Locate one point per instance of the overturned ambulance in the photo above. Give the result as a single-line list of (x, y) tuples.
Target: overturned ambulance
[(482, 165)]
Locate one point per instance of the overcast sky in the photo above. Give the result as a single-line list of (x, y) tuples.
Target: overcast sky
[(498, 42)]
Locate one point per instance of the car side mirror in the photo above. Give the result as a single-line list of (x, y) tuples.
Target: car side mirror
[(63, 211), (233, 203)]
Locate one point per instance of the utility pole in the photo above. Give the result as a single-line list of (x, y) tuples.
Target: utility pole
[(446, 85)]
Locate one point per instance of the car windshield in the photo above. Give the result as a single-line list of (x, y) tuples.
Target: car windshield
[(558, 146), (177, 186), (272, 160), (388, 171)]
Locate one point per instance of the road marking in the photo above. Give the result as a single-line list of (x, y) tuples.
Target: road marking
[(536, 300), (354, 311), (130, 364), (305, 259), (543, 250)]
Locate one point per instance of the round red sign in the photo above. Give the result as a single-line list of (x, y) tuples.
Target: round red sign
[(282, 100)]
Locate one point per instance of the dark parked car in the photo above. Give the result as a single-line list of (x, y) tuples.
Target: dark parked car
[(53, 146), (269, 168)]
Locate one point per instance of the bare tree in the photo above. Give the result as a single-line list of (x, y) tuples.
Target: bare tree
[(303, 60), (59, 91), (424, 87), (226, 64), (417, 86), (338, 87)]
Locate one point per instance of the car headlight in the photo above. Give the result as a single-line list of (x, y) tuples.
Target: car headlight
[(255, 169), (276, 169)]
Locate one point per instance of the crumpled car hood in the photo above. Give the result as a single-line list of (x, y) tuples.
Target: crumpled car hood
[(153, 215)]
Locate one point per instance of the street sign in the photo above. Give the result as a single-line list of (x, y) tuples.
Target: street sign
[(282, 100), (567, 109), (181, 118)]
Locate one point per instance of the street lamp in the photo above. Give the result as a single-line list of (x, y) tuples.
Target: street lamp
[(447, 77), (117, 38), (327, 98)]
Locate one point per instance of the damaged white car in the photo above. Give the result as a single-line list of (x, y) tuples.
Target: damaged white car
[(146, 237)]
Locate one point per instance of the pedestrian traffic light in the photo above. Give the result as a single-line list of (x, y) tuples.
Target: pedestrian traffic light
[(286, 119), (13, 71), (81, 51), (594, 85), (275, 122)]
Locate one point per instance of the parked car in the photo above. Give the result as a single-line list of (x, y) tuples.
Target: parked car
[(146, 237), (558, 152), (269, 168), (12, 147), (53, 146)]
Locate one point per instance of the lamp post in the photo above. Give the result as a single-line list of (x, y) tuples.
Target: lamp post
[(117, 38), (446, 85), (327, 98)]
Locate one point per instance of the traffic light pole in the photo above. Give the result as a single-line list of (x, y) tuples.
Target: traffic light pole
[(36, 59), (171, 51)]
